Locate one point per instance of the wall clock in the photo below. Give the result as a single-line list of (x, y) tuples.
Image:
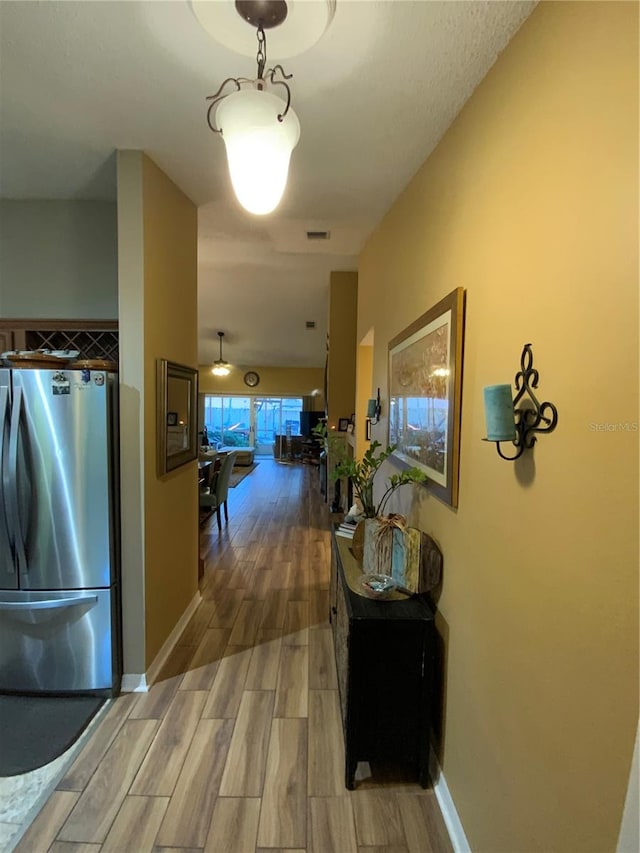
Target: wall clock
[(251, 379)]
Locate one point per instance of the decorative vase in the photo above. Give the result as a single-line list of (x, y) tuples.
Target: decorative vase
[(357, 543), (378, 546), (405, 559)]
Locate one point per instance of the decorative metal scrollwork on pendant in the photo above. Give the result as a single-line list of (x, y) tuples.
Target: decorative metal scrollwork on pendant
[(260, 82), (543, 417), (270, 77), (219, 96)]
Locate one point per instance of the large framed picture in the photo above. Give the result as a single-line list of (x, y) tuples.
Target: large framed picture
[(425, 392)]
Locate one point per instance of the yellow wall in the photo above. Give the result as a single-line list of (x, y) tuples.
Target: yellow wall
[(341, 372), (530, 202), (170, 331), (364, 392), (274, 381)]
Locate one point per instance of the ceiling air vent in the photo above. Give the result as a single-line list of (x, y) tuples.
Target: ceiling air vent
[(310, 324), (318, 235)]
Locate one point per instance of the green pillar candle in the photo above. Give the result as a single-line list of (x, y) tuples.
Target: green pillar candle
[(498, 410)]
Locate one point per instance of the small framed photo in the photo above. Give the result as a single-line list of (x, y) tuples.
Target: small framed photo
[(353, 418), (172, 418), (367, 429), (343, 423), (350, 428)]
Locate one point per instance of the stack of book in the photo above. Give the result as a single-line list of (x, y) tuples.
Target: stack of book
[(347, 528)]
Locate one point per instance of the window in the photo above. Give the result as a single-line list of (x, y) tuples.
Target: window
[(251, 421), (228, 420)]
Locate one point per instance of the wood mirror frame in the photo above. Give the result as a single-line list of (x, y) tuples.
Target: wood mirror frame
[(177, 413)]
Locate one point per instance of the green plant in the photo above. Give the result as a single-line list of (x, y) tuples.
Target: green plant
[(320, 432), (362, 473)]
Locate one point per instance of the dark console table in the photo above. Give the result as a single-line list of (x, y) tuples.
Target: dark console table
[(384, 658)]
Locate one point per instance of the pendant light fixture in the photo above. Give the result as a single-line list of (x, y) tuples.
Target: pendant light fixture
[(259, 128), (220, 366)]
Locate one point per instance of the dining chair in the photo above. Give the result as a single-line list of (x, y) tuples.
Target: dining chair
[(216, 496)]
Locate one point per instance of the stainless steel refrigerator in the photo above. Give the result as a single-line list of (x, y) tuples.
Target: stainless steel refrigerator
[(59, 532)]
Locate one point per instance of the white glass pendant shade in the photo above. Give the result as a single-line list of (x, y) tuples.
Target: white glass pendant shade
[(258, 146)]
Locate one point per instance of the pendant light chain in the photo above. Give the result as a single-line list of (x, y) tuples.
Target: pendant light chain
[(261, 57)]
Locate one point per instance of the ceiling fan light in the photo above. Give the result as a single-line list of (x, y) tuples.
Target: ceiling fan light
[(258, 146)]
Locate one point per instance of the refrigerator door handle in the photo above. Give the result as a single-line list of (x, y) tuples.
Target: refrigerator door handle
[(13, 514), (4, 485), (48, 604)]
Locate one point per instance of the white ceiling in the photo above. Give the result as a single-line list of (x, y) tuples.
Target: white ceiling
[(374, 96)]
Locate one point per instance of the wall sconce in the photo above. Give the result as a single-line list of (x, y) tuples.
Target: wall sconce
[(507, 422), (374, 409)]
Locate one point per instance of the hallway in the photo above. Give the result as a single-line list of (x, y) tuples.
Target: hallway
[(238, 746)]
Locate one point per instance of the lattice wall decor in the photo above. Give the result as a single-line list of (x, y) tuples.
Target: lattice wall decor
[(90, 344)]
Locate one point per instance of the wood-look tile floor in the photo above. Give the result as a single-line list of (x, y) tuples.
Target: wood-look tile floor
[(237, 748)]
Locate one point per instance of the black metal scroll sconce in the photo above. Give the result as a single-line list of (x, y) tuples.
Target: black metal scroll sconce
[(507, 422), (374, 409)]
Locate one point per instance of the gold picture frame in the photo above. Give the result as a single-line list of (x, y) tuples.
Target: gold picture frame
[(425, 395)]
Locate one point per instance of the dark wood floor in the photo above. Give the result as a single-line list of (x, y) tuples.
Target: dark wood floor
[(238, 745)]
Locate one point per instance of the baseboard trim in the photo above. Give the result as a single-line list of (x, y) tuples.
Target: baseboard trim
[(447, 806), (141, 682), (629, 838), (134, 682)]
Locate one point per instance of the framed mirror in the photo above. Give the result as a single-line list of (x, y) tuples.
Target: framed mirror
[(177, 413)]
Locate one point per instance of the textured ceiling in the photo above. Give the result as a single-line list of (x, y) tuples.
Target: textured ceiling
[(374, 96)]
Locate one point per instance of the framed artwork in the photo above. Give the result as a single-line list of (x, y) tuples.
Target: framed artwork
[(350, 428), (425, 392), (172, 418), (343, 423), (367, 429)]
